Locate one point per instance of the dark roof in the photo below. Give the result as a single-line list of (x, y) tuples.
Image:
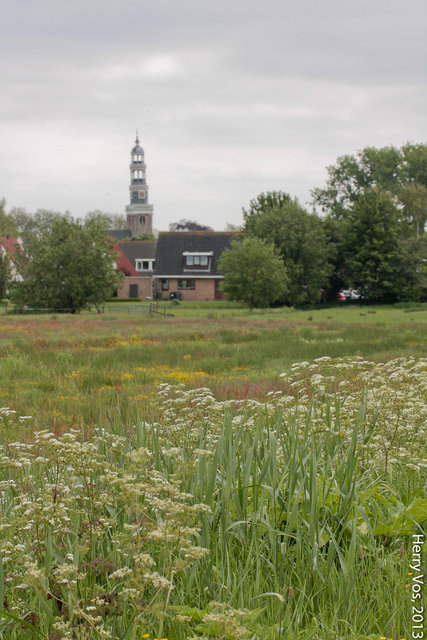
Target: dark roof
[(120, 234), (171, 246), (137, 249)]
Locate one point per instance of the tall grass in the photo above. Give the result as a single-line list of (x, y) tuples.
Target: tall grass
[(221, 520), (65, 370)]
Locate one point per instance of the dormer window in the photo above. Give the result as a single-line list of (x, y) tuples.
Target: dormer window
[(197, 261), (193, 261), (144, 265)]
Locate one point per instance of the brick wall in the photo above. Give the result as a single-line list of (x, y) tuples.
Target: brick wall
[(143, 283), (204, 289)]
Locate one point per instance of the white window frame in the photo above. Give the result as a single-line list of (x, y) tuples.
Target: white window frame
[(189, 260), (139, 264)]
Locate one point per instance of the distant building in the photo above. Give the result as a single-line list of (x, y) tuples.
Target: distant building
[(137, 262), (181, 264), (136, 259), (187, 264), (139, 213)]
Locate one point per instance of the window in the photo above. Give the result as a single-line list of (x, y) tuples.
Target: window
[(164, 285), (186, 284), (197, 261), (144, 265)]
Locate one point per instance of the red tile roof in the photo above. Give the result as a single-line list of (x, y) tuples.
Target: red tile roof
[(10, 245), (123, 263), (9, 242)]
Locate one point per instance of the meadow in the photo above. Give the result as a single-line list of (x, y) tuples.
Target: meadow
[(216, 474)]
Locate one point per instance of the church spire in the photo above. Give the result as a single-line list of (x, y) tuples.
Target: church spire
[(139, 212)]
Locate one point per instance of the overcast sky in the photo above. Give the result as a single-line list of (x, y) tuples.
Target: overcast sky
[(231, 98)]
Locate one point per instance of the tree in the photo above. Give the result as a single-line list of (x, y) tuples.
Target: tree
[(253, 273), (188, 225), (390, 168), (413, 200), (416, 257), (67, 265), (146, 237), (4, 274), (109, 220), (300, 239), (7, 222), (374, 259)]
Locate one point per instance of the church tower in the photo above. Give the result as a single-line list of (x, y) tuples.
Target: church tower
[(139, 213)]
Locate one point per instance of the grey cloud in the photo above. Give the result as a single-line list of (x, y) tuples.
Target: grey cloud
[(231, 98)]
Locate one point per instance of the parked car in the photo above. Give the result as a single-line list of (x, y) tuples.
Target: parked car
[(348, 294)]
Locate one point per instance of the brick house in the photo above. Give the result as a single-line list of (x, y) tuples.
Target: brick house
[(187, 264), (136, 263), (137, 260), (180, 264)]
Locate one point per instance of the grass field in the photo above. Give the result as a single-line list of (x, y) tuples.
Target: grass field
[(65, 370), (217, 474)]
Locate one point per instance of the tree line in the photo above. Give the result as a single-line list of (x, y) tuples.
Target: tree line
[(370, 237), (365, 230), (65, 264)]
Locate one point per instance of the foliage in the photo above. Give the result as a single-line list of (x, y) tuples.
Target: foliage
[(107, 220), (416, 261), (34, 223), (142, 236), (413, 200), (290, 517), (188, 225), (4, 274), (232, 227), (253, 273), (299, 237), (390, 168), (67, 264), (356, 239), (8, 225), (374, 261)]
